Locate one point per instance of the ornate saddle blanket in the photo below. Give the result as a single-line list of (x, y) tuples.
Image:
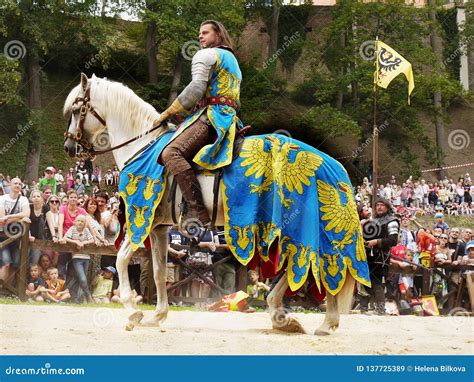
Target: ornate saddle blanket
[(141, 188), (291, 205)]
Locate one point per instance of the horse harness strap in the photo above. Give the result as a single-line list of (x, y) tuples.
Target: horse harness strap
[(215, 190)]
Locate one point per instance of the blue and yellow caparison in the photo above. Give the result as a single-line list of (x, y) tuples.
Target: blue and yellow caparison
[(141, 187), (283, 190)]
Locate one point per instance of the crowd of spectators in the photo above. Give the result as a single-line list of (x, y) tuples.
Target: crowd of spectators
[(452, 247), (420, 197)]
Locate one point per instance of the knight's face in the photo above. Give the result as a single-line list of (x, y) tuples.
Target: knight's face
[(208, 37)]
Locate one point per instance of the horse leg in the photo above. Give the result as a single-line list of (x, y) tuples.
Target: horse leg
[(336, 305), (280, 319), (123, 258), (159, 242)]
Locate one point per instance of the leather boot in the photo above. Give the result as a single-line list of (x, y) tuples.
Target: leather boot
[(192, 195)]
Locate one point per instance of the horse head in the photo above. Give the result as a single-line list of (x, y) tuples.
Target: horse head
[(87, 128), (107, 116)]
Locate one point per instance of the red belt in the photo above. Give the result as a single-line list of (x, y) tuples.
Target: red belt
[(221, 100)]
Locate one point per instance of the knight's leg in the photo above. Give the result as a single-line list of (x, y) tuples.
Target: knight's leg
[(280, 318), (177, 156), (159, 242), (123, 257)]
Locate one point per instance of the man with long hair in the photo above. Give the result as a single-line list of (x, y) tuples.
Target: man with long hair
[(206, 137)]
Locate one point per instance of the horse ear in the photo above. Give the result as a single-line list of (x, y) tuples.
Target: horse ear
[(83, 82)]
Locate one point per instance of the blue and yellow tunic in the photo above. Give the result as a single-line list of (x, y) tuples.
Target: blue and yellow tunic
[(224, 82)]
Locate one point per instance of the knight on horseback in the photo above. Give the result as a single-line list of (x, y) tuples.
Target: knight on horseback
[(207, 136)]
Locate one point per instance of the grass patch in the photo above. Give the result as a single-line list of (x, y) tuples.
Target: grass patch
[(15, 301)]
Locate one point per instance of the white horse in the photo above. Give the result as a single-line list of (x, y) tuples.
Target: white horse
[(108, 113)]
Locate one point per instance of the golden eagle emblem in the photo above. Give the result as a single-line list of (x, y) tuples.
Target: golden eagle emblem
[(275, 167), (242, 240), (150, 187), (341, 217), (333, 266), (132, 186), (139, 218)]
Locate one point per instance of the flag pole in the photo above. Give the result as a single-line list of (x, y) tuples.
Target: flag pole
[(375, 135)]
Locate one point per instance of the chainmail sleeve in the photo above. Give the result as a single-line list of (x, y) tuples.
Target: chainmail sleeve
[(201, 70)]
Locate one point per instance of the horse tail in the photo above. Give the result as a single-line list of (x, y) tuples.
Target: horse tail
[(346, 295)]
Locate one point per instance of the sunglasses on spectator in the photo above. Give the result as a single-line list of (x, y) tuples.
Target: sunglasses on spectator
[(436, 236), (443, 237), (54, 201)]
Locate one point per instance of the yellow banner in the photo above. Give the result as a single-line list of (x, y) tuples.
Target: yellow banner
[(390, 64)]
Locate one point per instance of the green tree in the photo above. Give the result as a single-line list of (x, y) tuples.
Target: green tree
[(38, 27)]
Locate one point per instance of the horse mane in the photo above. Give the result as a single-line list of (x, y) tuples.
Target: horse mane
[(114, 98)]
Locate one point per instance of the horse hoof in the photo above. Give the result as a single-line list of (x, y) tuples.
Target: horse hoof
[(129, 327), (325, 331), (136, 317), (291, 325)]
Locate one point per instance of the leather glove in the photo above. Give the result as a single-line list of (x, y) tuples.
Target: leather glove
[(174, 108)]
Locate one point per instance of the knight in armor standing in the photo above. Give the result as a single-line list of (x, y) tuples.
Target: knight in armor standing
[(380, 235), (207, 136)]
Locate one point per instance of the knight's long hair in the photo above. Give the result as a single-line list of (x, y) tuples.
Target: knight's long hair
[(224, 37)]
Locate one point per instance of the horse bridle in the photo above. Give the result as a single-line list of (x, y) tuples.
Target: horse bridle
[(86, 107), (88, 151)]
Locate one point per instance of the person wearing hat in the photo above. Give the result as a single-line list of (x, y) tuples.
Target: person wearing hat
[(468, 258), (48, 179), (380, 235), (440, 222)]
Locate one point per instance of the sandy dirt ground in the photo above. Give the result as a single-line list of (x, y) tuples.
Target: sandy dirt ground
[(67, 330)]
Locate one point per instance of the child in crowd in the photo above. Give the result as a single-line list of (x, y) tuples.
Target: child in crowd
[(55, 290), (102, 285), (256, 289), (468, 259), (406, 280), (44, 265), (78, 234), (35, 284)]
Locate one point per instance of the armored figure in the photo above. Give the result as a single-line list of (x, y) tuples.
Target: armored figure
[(207, 136), (380, 235)]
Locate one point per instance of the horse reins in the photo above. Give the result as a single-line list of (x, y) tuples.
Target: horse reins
[(86, 107)]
